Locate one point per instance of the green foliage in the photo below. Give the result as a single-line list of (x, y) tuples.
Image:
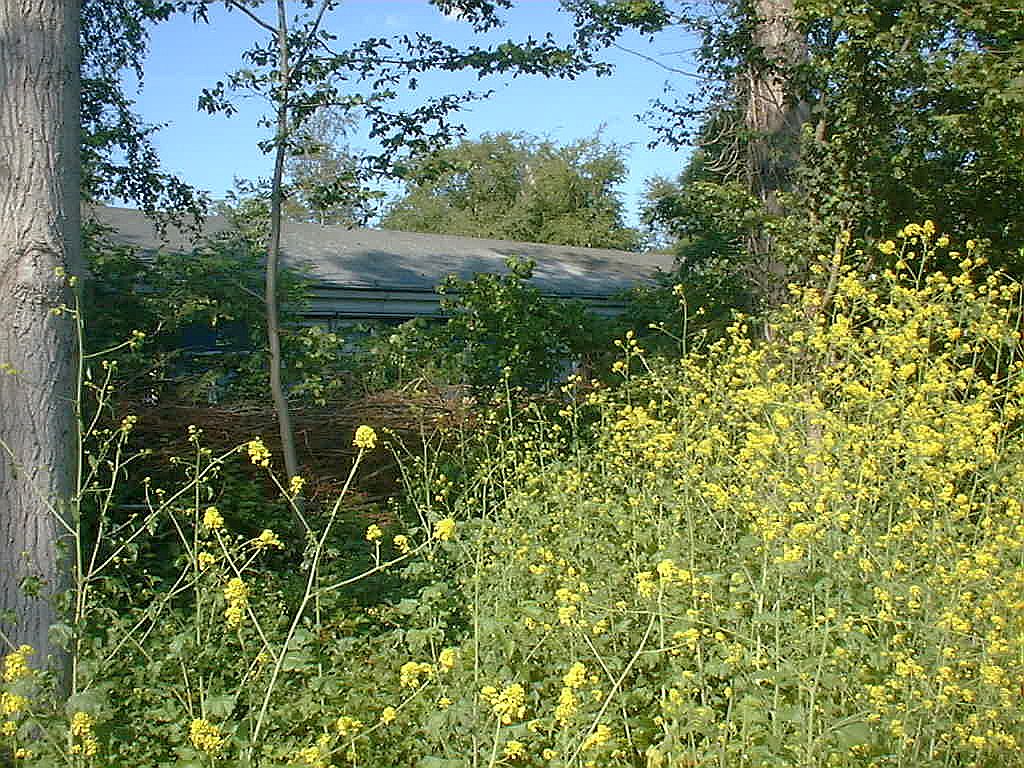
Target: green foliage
[(323, 184), (370, 81), (905, 108), (709, 224), (919, 109), (498, 331), (499, 328), (119, 159), (513, 187), (213, 292), (394, 357)]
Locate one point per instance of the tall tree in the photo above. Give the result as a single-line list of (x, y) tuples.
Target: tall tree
[(743, 117), (516, 187), (39, 247), (839, 115)]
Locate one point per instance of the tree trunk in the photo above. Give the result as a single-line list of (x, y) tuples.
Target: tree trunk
[(277, 392), (774, 121), (39, 235)]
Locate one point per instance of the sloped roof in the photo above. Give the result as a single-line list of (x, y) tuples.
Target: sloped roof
[(390, 260)]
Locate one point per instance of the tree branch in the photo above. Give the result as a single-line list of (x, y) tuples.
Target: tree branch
[(661, 64), (229, 4)]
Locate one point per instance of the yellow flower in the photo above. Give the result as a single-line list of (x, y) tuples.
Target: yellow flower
[(237, 595), (312, 756), (374, 533), (510, 704), (212, 519), (205, 736), (402, 544), (645, 583), (601, 735), (444, 529), (888, 247), (411, 672), (266, 540), (447, 659), (347, 726), (295, 485), (81, 729), (388, 715), (12, 704), (16, 664), (514, 750), (365, 438), (576, 676), (205, 560), (259, 454), (667, 570)]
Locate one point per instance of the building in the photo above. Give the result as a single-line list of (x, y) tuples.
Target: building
[(368, 274)]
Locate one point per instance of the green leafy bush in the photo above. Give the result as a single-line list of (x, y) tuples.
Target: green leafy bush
[(499, 327), (214, 294)]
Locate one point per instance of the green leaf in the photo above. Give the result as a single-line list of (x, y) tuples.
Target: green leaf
[(853, 734), (222, 705)]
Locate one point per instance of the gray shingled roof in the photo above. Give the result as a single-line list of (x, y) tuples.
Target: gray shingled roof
[(372, 259)]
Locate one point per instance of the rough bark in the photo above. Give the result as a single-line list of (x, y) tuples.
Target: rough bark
[(774, 121), (39, 233)]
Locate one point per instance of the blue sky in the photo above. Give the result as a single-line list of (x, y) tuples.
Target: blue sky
[(209, 151)]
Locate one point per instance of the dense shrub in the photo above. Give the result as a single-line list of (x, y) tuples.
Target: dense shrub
[(803, 552)]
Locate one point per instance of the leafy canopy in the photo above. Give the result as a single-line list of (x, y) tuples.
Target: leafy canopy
[(516, 187)]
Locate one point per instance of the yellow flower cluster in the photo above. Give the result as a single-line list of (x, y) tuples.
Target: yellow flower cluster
[(236, 593), (212, 519), (514, 750), (568, 702), (444, 529), (600, 736), (374, 533), (205, 560), (16, 664), (447, 659), (413, 673), (205, 736), (509, 705), (83, 738), (365, 439), (348, 726), (576, 676), (259, 454), (267, 540), (12, 703), (316, 756)]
